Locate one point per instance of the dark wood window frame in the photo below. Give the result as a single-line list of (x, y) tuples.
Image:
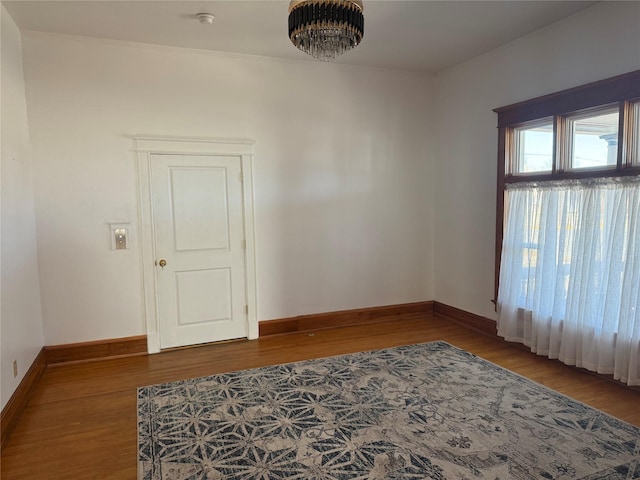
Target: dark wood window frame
[(622, 90)]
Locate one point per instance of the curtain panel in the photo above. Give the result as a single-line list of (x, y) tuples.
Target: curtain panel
[(570, 273)]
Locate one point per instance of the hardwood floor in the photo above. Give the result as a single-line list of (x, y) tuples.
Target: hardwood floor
[(81, 420)]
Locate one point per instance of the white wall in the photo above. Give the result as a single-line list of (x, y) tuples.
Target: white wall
[(20, 314), (357, 171), (342, 172), (597, 43)]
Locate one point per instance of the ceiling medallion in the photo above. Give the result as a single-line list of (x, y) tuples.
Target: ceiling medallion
[(325, 29)]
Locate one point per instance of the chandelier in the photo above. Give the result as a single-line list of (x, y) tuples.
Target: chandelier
[(325, 28)]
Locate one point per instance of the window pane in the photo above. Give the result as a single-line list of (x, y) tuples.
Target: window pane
[(534, 148), (594, 142)]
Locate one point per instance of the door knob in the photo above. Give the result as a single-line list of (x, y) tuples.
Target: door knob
[(162, 263)]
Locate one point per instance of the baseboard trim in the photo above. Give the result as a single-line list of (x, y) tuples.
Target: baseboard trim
[(470, 320), (342, 318), (20, 398), (96, 350), (128, 346)]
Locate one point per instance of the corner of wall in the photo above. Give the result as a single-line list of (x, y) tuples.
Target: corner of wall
[(21, 327)]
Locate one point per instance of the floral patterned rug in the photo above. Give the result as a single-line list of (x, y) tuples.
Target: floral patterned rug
[(428, 411)]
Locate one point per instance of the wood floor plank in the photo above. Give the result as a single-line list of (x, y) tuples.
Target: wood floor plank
[(81, 420)]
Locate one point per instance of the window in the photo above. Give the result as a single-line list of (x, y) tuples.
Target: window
[(533, 147), (568, 226), (593, 139)]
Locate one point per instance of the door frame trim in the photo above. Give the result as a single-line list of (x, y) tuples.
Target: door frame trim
[(148, 145)]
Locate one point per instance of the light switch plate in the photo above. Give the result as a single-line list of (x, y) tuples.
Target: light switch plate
[(119, 233), (121, 238)]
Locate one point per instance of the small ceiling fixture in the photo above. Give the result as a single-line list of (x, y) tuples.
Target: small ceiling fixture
[(206, 18), (325, 28)]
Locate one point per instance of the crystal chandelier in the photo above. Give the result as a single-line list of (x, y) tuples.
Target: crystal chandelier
[(325, 28)]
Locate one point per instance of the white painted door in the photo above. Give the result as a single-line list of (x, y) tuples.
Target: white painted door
[(200, 248)]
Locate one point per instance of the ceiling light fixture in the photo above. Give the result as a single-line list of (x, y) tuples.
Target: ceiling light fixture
[(325, 28), (206, 18)]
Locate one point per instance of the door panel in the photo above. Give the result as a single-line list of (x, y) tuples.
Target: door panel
[(200, 210), (204, 296), (198, 225)]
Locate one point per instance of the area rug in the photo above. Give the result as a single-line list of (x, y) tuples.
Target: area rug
[(427, 411)]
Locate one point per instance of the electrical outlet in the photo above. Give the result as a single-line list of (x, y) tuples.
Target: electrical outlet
[(15, 368)]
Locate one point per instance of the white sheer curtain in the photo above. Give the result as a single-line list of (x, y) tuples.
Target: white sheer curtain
[(570, 273)]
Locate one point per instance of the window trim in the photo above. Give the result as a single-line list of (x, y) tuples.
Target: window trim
[(623, 90), (632, 119)]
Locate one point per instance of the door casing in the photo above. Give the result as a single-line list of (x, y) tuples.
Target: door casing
[(146, 146)]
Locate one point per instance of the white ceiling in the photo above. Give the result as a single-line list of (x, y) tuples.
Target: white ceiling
[(424, 36)]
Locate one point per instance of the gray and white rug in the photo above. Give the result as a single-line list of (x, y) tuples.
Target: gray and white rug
[(428, 411)]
